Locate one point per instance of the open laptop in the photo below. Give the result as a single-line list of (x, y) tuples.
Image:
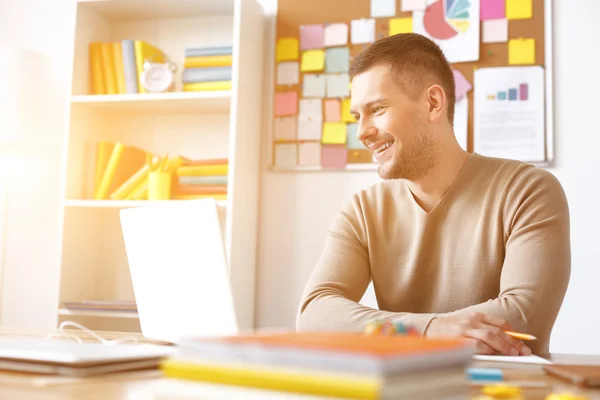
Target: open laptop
[(179, 270)]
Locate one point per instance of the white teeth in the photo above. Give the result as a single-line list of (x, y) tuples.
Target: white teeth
[(382, 148)]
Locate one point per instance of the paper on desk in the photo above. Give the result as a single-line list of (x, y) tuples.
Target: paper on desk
[(514, 359)]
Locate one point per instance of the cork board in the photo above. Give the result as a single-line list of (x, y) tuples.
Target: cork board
[(290, 148)]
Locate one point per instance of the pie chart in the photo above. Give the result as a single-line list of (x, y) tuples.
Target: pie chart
[(445, 19)]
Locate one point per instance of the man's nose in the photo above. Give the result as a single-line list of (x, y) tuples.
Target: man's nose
[(365, 130)]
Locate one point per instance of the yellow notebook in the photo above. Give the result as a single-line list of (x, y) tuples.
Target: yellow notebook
[(130, 184), (96, 76), (103, 153), (140, 192), (203, 170), (206, 86), (108, 69), (145, 52), (208, 61), (119, 67), (109, 171)]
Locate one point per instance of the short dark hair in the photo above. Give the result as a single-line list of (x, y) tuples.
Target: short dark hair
[(417, 60)]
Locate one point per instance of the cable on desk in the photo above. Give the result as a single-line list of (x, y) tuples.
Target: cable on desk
[(107, 342)]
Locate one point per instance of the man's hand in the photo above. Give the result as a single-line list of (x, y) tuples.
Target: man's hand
[(486, 331)]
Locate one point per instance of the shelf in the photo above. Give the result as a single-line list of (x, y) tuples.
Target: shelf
[(99, 314), (120, 10), (123, 203), (156, 103), (349, 167)]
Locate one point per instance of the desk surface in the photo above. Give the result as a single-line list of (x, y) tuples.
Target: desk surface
[(150, 385)]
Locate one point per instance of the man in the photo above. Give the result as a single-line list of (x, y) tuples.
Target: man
[(456, 244)]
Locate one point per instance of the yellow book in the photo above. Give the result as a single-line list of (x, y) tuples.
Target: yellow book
[(109, 171), (130, 184), (108, 69), (200, 196), (140, 192), (96, 76), (203, 170), (145, 52), (280, 379), (103, 152), (208, 61), (119, 67), (206, 86)]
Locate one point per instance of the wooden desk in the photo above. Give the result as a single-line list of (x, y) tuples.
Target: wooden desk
[(150, 385)]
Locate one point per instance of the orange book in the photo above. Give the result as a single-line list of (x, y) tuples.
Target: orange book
[(201, 189), (214, 161), (95, 70), (119, 67), (103, 152), (108, 69), (132, 160)]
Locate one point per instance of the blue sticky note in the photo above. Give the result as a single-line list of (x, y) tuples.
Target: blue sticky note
[(352, 142), (337, 59), (485, 374)]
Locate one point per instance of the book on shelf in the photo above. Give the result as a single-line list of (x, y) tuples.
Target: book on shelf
[(336, 364), (207, 68)]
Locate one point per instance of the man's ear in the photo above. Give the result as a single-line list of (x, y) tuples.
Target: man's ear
[(435, 97)]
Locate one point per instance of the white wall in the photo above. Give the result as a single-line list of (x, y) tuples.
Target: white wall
[(295, 213)]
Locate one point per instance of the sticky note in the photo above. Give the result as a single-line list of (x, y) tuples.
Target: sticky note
[(362, 31), (521, 51), (313, 85), (309, 129), (346, 116), (334, 156), (287, 49), (313, 61), (309, 154), (286, 103), (492, 9), (401, 25), (519, 9), (336, 35), (285, 155), (288, 73), (495, 31), (462, 85), (285, 128), (312, 36), (311, 109), (334, 133), (413, 5), (338, 85), (356, 156), (337, 59), (352, 140), (383, 8), (333, 111)]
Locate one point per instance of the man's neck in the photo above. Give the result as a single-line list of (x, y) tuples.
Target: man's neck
[(429, 190)]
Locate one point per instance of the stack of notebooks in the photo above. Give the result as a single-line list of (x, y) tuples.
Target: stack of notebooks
[(198, 179), (207, 69), (328, 364)]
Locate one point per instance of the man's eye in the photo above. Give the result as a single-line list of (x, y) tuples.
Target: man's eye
[(375, 110)]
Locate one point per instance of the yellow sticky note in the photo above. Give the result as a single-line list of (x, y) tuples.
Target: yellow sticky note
[(313, 60), (346, 116), (521, 51), (287, 49), (401, 25), (519, 9), (334, 133)]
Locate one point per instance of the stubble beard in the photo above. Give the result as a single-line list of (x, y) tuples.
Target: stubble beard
[(412, 161)]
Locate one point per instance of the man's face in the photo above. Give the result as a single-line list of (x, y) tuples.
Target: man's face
[(394, 127)]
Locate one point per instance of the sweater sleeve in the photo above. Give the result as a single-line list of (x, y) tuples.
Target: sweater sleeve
[(340, 279), (537, 264)]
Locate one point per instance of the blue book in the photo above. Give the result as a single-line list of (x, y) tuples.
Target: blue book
[(202, 180), (129, 67), (208, 51), (206, 74)]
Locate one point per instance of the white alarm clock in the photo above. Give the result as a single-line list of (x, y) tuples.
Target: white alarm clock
[(158, 77)]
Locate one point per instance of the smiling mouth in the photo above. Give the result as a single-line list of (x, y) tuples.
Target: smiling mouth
[(383, 148)]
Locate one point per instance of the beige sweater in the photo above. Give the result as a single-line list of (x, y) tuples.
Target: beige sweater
[(497, 243)]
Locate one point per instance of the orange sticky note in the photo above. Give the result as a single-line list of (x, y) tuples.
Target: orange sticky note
[(313, 61), (519, 9), (287, 49), (334, 133), (333, 111), (346, 116), (401, 25), (521, 51)]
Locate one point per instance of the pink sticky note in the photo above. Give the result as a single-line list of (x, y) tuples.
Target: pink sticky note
[(462, 84), (309, 154), (285, 128), (334, 156), (286, 103), (493, 9), (312, 36), (333, 110)]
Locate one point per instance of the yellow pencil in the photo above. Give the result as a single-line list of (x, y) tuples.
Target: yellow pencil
[(523, 336)]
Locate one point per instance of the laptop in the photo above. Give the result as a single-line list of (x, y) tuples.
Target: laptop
[(179, 270)]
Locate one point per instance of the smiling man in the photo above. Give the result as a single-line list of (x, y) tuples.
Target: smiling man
[(456, 244)]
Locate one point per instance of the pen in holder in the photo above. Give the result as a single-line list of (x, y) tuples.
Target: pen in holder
[(159, 184)]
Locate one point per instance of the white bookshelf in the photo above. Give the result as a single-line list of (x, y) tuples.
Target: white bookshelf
[(223, 124)]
